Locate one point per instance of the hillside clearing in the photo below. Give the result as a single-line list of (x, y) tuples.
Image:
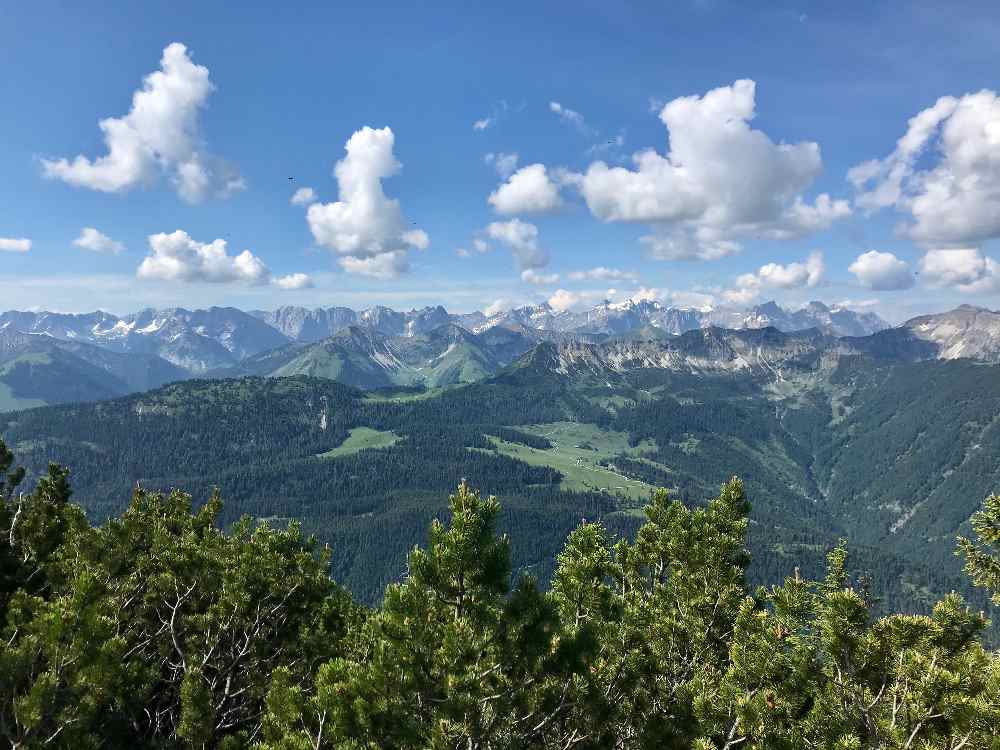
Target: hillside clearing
[(362, 438)]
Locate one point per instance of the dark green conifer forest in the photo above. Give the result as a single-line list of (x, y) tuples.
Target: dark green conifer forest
[(162, 628)]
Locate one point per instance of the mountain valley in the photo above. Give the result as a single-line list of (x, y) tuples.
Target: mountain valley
[(889, 440)]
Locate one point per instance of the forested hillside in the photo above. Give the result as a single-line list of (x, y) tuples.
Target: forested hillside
[(893, 457), (160, 630)]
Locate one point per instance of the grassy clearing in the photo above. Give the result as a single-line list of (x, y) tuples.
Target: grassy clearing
[(362, 438), (403, 397), (9, 402), (576, 450)]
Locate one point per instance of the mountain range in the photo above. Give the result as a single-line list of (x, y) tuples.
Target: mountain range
[(202, 340), (58, 358), (370, 348)]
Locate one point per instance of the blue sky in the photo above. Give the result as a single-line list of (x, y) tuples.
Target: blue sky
[(744, 193)]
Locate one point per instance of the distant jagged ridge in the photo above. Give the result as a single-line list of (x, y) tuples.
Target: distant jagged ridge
[(381, 347), (203, 340), (607, 318)]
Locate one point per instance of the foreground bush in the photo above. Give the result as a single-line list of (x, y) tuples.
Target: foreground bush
[(160, 630)]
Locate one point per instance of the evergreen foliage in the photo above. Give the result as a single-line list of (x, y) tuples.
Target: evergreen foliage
[(160, 629)]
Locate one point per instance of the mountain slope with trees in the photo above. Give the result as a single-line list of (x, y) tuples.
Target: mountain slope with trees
[(829, 448)]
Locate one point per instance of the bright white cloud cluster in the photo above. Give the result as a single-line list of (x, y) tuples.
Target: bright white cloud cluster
[(15, 244), (98, 242), (158, 135), (882, 271), (303, 197), (294, 282), (522, 239), (529, 190), (964, 269), (602, 273), (504, 164), (177, 257), (721, 181), (497, 306), (957, 199), (564, 299), (382, 266), (365, 227), (776, 276)]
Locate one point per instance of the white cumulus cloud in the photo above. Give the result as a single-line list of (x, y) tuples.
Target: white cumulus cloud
[(522, 239), (529, 190), (294, 281), (777, 276), (721, 180), (498, 306), (566, 299), (98, 242), (177, 257), (158, 136), (382, 266), (956, 199), (365, 227), (882, 271), (964, 269), (303, 197), (15, 244), (563, 299)]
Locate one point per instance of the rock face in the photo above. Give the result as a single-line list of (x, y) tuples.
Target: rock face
[(836, 321), (766, 351), (303, 324), (623, 317), (967, 332)]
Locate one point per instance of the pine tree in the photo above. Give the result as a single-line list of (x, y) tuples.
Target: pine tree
[(982, 558)]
